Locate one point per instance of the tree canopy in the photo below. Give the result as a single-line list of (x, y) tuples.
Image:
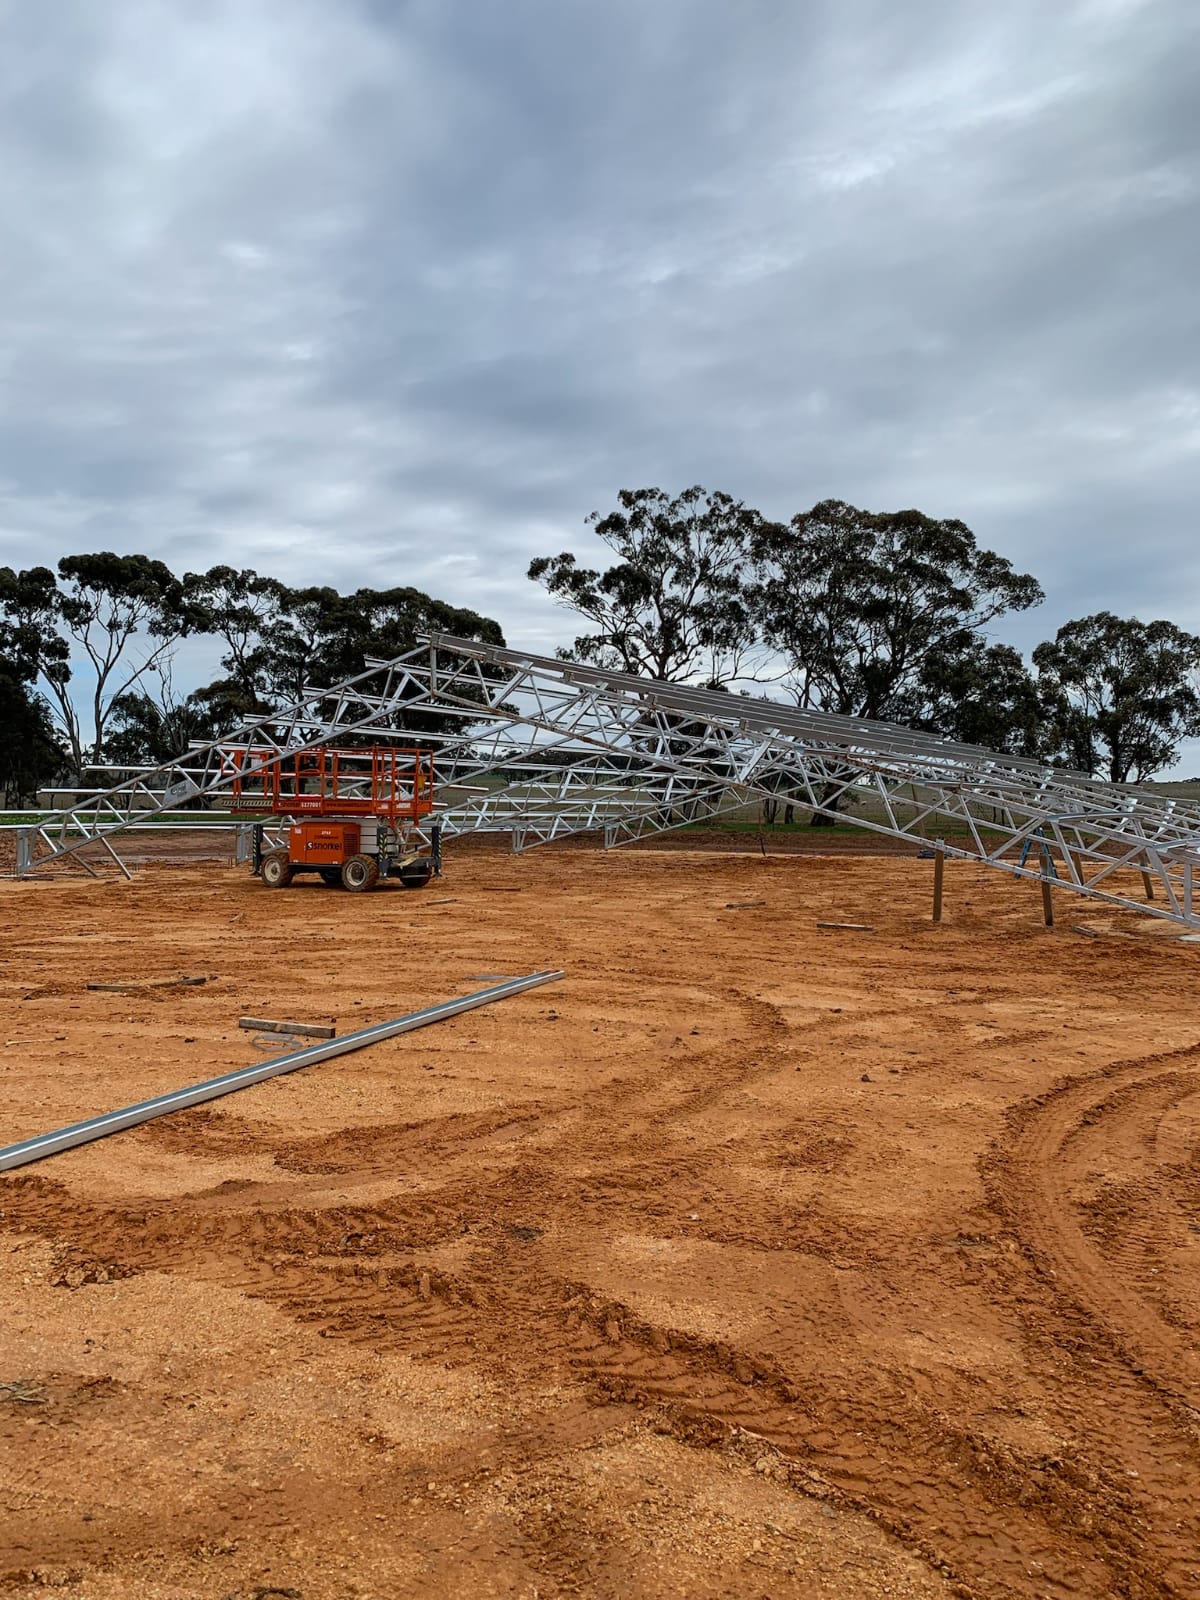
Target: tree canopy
[(29, 617), (125, 614), (984, 695), (885, 615), (30, 754), (110, 625), (279, 640), (1125, 693), (674, 604), (858, 603)]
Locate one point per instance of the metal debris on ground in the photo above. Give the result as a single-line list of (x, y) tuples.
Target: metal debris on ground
[(23, 1392)]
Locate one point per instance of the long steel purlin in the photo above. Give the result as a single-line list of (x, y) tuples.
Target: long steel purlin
[(50, 1144)]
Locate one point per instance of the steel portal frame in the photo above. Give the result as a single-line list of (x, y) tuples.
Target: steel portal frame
[(542, 748)]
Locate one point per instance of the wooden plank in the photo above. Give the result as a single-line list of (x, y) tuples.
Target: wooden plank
[(850, 927), (305, 1030)]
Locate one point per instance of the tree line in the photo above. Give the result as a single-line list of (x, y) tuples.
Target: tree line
[(126, 617), (881, 615)]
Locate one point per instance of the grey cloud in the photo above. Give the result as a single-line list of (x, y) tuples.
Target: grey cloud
[(363, 292)]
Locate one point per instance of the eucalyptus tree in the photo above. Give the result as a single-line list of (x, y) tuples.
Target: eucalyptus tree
[(858, 603), (124, 616), (673, 605), (983, 695), (1127, 693), (30, 753)]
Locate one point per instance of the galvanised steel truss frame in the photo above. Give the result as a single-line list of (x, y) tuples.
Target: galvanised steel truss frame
[(542, 748)]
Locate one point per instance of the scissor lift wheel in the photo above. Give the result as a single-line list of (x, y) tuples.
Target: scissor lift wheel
[(360, 873), (276, 870)]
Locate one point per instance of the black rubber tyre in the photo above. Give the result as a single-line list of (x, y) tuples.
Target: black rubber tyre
[(332, 876), (360, 873), (276, 870), (416, 874)]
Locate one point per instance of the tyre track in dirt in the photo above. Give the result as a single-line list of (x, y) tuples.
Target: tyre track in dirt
[(920, 1477), (879, 1452), (1035, 1176), (1143, 1211), (1005, 1521), (1134, 1396)]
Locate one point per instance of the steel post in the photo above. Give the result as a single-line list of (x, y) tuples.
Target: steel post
[(939, 873)]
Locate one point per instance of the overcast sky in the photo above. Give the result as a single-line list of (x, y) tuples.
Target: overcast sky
[(397, 291)]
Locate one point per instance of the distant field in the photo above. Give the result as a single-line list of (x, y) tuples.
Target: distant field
[(1184, 789)]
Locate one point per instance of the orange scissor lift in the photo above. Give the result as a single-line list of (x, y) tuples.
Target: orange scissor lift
[(350, 814)]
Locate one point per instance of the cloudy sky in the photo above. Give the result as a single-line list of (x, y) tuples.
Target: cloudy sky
[(383, 291)]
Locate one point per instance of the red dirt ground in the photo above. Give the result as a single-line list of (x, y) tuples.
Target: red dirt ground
[(751, 1259)]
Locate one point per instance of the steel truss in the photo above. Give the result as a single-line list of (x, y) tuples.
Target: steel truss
[(542, 748)]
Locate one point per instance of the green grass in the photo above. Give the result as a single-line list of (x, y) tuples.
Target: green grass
[(935, 828), (1185, 789), (745, 819)]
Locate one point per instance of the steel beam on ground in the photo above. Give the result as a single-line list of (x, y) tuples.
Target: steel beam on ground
[(79, 1133)]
